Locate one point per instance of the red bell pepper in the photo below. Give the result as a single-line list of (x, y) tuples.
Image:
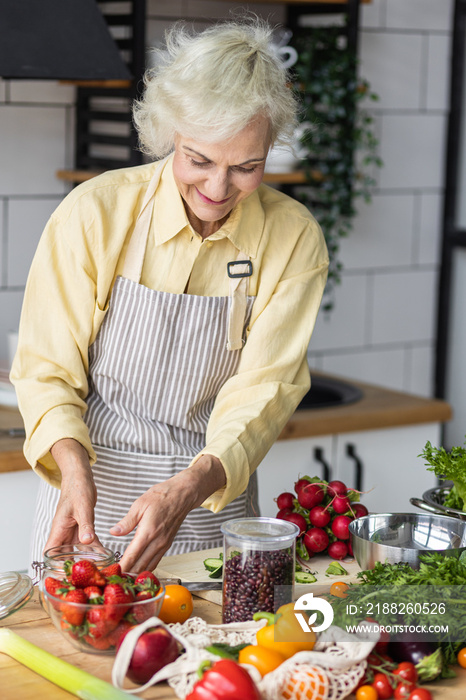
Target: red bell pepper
[(225, 680)]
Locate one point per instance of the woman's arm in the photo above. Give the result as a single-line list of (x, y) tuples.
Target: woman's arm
[(74, 518)]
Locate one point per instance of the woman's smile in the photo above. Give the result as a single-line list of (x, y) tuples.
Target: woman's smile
[(207, 200)]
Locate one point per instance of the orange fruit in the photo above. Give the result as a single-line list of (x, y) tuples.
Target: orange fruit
[(177, 604)]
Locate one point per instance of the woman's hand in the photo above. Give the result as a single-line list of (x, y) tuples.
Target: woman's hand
[(159, 512), (73, 522)]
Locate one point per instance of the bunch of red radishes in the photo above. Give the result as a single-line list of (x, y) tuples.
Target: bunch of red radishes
[(323, 511)]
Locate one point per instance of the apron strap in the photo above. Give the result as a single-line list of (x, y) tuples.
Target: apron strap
[(134, 259), (239, 272)]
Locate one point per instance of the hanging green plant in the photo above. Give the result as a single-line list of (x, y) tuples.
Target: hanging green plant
[(341, 144)]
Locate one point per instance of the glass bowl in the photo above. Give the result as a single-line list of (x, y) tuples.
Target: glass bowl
[(97, 628)]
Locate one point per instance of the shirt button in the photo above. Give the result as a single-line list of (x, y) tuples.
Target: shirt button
[(208, 244)]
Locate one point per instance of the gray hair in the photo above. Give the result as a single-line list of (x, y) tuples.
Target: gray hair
[(209, 86)]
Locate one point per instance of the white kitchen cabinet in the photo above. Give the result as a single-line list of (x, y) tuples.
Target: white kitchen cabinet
[(387, 460), (385, 463), (18, 491), (286, 461)]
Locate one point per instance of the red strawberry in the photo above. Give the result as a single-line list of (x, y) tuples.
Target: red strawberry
[(117, 599), (84, 573), (74, 614), (147, 579), (140, 613), (101, 643), (94, 593), (57, 588), (69, 629), (112, 570), (99, 623), (121, 629), (52, 585)]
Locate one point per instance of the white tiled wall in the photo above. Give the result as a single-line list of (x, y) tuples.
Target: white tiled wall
[(382, 327), (391, 258), (35, 140)]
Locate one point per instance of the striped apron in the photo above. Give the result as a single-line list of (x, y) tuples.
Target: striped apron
[(151, 392)]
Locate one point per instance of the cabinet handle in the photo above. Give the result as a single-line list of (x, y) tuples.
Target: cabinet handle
[(358, 466), (326, 469)]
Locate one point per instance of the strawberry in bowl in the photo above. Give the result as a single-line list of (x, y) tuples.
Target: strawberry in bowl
[(93, 608)]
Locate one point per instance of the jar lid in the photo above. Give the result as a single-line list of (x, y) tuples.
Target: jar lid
[(260, 533), (15, 591)]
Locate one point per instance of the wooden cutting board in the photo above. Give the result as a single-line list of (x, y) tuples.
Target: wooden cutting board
[(190, 567)]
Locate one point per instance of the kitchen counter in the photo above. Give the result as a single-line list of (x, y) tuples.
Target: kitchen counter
[(33, 623), (378, 408)]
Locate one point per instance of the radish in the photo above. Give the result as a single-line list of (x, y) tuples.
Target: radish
[(359, 510), (340, 504), (350, 548), (340, 526), (285, 500), (298, 520), (300, 483), (319, 516), (337, 550), (284, 511), (311, 495), (315, 540), (336, 488)]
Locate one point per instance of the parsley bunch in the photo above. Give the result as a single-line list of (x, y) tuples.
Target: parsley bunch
[(449, 465)]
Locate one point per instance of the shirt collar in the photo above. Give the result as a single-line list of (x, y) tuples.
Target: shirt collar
[(243, 227)]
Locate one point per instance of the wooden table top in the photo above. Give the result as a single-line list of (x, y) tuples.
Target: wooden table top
[(31, 622)]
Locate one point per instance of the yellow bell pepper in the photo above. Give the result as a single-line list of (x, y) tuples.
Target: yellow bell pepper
[(283, 633)]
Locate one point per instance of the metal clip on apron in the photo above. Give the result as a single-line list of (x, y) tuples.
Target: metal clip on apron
[(239, 273), (145, 420)]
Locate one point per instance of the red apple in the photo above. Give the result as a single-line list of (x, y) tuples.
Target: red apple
[(154, 649)]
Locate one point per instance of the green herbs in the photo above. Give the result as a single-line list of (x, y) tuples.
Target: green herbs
[(435, 570), (398, 597), (226, 651), (449, 465)]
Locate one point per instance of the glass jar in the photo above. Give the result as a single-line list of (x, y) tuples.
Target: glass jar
[(55, 558), (259, 566)]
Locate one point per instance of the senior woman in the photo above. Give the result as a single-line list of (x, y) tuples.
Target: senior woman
[(168, 311)]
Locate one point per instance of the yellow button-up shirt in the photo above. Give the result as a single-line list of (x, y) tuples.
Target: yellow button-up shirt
[(78, 258)]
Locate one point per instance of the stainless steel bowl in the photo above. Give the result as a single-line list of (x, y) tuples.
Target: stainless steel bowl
[(402, 537), (433, 502)]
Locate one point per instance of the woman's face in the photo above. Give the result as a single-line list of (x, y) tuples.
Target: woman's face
[(213, 177)]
